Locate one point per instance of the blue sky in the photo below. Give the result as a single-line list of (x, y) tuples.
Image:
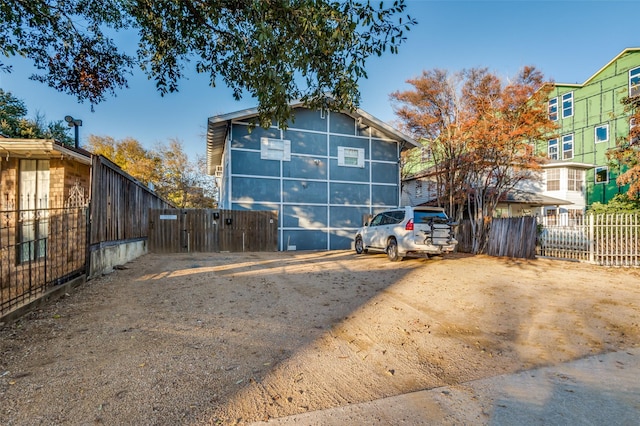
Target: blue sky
[(567, 40)]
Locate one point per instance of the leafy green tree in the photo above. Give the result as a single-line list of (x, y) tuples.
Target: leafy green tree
[(12, 110), (621, 203), (274, 50), (15, 124)]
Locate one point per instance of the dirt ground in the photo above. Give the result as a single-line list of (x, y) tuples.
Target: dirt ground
[(233, 338)]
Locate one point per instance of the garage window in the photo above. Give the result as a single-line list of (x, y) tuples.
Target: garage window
[(275, 149), (350, 157)]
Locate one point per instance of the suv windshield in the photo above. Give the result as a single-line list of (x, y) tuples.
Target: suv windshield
[(426, 216)]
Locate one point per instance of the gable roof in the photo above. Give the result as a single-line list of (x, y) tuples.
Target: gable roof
[(590, 79), (218, 126)]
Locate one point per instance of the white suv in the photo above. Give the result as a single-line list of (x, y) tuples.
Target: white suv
[(407, 230)]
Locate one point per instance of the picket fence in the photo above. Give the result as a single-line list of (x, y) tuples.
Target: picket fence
[(602, 239)]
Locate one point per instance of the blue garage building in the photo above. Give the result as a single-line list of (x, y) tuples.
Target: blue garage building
[(323, 174)]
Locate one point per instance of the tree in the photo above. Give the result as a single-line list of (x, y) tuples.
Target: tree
[(14, 124), (129, 155), (166, 169), (431, 113), (620, 203), (626, 155), (481, 133), (274, 50)]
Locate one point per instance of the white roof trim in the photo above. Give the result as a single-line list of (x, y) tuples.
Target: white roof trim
[(215, 139), (568, 164), (42, 148)]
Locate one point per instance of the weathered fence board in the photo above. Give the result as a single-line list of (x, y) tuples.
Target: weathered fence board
[(209, 230), (513, 237), (119, 204), (509, 237)]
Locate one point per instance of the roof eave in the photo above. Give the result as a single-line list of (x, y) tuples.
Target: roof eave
[(217, 131), (41, 148), (575, 165)]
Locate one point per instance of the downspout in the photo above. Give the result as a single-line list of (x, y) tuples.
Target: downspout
[(400, 148)]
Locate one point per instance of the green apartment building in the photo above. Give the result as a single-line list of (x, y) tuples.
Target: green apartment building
[(591, 120)]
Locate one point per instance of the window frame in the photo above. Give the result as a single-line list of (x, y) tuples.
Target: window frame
[(597, 171), (552, 109), (575, 182), (595, 133), (275, 149), (632, 125), (567, 108), (554, 178), (634, 82), (33, 229), (550, 145), (342, 156), (565, 139), (425, 154)]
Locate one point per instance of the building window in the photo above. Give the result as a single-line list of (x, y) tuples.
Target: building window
[(567, 147), (553, 180), (602, 133), (567, 105), (418, 189), (33, 204), (634, 82), (633, 138), (602, 175), (425, 154), (553, 149), (275, 149), (350, 157), (553, 109), (575, 179)]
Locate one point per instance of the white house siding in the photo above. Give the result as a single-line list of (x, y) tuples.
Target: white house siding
[(576, 197), (320, 203)]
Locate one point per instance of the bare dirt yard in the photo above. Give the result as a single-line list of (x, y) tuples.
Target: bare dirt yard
[(233, 338)]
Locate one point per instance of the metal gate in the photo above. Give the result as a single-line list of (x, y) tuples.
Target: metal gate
[(210, 230), (40, 249)]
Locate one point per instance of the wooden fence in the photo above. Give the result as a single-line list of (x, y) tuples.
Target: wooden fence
[(604, 239), (510, 237), (513, 237), (119, 204), (209, 230)]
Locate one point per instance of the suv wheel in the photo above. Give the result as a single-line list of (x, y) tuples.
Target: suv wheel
[(359, 245), (392, 250)]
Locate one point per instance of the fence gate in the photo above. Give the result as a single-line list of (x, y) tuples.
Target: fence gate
[(40, 249), (210, 230)]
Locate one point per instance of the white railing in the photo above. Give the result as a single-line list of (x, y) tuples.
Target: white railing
[(604, 239)]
